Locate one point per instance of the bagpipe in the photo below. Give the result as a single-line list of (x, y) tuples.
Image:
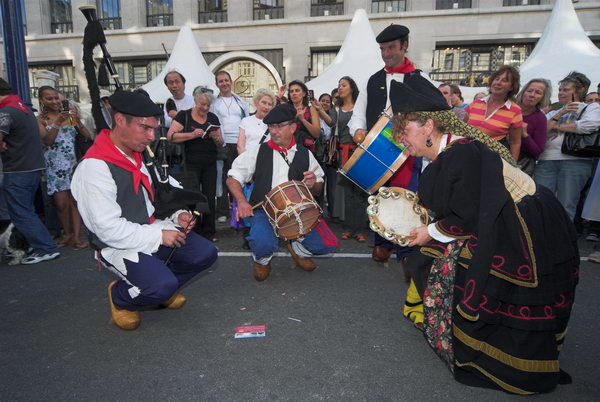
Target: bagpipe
[(167, 198)]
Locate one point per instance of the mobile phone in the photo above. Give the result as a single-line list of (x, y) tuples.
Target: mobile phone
[(311, 94), (65, 105)]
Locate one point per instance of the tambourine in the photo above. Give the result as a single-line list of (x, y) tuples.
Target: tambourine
[(394, 212)]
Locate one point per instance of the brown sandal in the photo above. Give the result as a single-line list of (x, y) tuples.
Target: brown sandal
[(360, 238), (346, 235), (80, 244), (65, 241)]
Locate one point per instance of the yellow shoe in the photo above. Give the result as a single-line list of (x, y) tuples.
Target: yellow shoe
[(413, 306), (175, 302), (124, 319)]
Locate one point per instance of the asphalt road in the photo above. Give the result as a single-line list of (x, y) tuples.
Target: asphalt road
[(336, 333)]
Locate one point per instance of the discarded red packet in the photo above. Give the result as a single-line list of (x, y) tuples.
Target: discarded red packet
[(250, 331)]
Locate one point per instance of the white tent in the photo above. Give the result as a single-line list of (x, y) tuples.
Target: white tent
[(186, 58), (563, 47), (359, 57)]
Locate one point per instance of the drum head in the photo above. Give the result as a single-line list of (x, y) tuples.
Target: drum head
[(394, 212)]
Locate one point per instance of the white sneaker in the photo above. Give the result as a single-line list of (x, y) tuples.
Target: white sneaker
[(222, 219), (34, 258), (594, 257)]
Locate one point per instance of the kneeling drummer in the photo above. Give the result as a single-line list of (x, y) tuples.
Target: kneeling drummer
[(274, 162)]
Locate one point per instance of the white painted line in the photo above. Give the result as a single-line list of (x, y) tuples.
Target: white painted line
[(336, 255), (249, 254)]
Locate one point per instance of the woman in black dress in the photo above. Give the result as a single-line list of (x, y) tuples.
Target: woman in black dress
[(198, 129), (501, 287)]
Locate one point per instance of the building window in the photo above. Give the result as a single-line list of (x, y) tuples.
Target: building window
[(449, 4), (520, 2), (212, 11), (61, 20), (135, 73), (159, 13), (109, 13), (66, 81), (386, 6), (268, 9), (319, 61), (326, 7), (475, 63)]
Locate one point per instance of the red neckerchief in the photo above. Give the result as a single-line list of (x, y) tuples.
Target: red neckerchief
[(15, 102), (104, 149), (276, 147), (407, 67)]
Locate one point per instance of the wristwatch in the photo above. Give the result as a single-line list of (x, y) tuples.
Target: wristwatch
[(555, 119)]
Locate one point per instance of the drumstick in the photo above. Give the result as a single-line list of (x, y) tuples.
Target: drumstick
[(258, 205), (311, 170)]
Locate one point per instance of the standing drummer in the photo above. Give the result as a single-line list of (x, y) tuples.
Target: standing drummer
[(393, 43), (272, 163)]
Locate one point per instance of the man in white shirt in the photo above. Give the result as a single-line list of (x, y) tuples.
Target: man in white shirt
[(373, 100), (175, 82), (230, 109), (274, 162), (114, 190)]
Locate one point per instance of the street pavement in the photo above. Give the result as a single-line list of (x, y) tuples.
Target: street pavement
[(333, 334)]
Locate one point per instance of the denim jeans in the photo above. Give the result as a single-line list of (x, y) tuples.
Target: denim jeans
[(19, 190), (565, 178)]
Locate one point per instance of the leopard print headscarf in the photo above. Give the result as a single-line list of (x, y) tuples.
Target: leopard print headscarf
[(447, 122)]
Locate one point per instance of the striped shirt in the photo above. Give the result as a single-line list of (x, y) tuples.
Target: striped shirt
[(498, 124)]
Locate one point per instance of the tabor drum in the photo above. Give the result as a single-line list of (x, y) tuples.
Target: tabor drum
[(291, 209), (394, 212), (377, 158)]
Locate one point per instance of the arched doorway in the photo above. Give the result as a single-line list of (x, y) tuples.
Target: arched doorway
[(249, 72)]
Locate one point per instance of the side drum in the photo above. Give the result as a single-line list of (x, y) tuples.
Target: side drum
[(291, 209), (377, 158)]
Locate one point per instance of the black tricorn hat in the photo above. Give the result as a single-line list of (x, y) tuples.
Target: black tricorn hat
[(417, 94), (392, 32), (134, 104)]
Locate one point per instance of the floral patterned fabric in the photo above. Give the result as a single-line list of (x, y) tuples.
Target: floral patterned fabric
[(60, 160), (438, 304)]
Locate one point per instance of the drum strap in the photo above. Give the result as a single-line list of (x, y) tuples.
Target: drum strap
[(284, 156)]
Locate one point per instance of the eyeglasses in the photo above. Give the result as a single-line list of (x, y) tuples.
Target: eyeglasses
[(278, 126)]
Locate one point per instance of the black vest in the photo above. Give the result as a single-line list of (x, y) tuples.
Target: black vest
[(377, 94), (133, 206), (263, 175)]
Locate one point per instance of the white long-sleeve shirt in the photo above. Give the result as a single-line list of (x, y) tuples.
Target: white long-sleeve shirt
[(95, 191), (244, 166)]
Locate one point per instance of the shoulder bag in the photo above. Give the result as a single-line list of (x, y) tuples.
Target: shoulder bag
[(582, 145)]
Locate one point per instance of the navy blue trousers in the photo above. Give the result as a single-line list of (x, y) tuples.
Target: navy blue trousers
[(149, 281)]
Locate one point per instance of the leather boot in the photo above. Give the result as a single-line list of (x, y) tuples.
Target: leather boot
[(175, 302), (306, 264), (381, 254), (261, 272), (124, 319)]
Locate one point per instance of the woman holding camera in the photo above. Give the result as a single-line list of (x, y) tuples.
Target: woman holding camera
[(62, 124), (309, 127)]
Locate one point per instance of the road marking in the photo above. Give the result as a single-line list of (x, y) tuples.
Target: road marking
[(336, 255), (249, 254)]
